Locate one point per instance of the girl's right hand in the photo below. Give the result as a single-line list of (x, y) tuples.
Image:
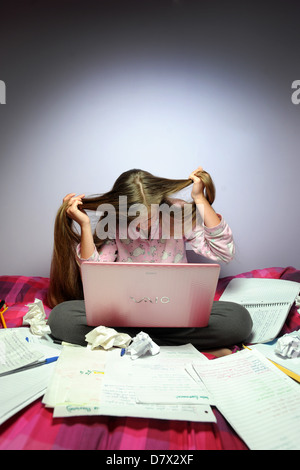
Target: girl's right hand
[(73, 211)]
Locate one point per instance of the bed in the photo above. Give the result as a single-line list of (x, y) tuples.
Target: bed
[(34, 428)]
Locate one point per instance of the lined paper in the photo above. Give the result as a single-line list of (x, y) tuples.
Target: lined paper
[(260, 291), (259, 401), (21, 388), (15, 351), (268, 302), (267, 321)]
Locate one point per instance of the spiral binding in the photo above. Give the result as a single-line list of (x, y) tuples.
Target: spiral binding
[(273, 304)]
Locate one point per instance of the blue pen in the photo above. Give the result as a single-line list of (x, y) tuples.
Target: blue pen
[(31, 366), (39, 363), (50, 359), (123, 351)]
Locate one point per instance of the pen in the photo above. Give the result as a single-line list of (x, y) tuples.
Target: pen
[(123, 351), (31, 366), (41, 363)]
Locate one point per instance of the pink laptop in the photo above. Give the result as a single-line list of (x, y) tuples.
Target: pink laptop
[(149, 295)]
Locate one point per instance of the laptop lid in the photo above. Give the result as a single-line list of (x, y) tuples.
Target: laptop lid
[(149, 295)]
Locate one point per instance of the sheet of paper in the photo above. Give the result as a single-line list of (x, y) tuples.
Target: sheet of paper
[(15, 351), (259, 401), (183, 354), (267, 322), (268, 350), (125, 379), (19, 389), (43, 344), (77, 380), (259, 290), (166, 384), (166, 378)]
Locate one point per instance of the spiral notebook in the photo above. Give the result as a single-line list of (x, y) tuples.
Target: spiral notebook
[(267, 300)]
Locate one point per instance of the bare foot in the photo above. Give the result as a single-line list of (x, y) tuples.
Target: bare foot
[(219, 352)]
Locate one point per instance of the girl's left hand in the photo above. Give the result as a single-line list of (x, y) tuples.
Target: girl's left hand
[(198, 186)]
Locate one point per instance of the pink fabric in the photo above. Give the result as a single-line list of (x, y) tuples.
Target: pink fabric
[(35, 428)]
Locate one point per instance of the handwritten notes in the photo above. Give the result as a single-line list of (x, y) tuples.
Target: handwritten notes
[(76, 384), (267, 321), (267, 300), (128, 387), (101, 382), (15, 351), (258, 400)]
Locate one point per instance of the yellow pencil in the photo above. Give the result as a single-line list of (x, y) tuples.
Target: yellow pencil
[(2, 317)]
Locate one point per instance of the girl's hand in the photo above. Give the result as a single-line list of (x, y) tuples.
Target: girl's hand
[(73, 211), (198, 186)]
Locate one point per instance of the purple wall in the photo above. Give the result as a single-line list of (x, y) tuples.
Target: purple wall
[(96, 88)]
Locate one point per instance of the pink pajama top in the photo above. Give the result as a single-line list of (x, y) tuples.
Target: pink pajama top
[(214, 243)]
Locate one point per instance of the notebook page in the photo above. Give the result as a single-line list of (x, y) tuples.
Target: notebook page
[(259, 401), (267, 322), (15, 351), (257, 291)]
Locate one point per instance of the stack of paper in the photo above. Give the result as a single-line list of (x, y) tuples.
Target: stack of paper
[(105, 383), (20, 349), (22, 388), (260, 402)]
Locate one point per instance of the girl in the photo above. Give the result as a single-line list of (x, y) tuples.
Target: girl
[(148, 238)]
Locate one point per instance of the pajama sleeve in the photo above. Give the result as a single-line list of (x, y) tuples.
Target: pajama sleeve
[(215, 243), (107, 253)]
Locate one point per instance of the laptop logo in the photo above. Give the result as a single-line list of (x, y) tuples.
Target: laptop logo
[(154, 300)]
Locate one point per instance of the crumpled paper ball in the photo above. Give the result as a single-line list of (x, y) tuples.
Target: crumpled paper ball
[(107, 338), (141, 344), (288, 345), (36, 318)]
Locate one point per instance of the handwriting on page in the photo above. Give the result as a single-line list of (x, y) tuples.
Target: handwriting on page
[(258, 400), (77, 380), (15, 352), (267, 320)]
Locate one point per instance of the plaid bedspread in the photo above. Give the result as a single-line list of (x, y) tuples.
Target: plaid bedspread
[(35, 428)]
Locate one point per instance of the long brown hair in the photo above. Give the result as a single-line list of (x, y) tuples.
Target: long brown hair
[(140, 187)]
